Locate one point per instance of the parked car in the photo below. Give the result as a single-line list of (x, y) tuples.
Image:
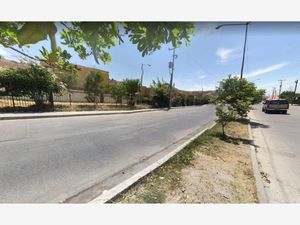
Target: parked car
[(275, 105)]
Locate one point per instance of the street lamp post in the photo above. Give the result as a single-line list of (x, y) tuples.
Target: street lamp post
[(245, 40), (141, 83)]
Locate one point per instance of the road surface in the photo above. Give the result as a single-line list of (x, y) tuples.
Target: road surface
[(74, 159), (277, 137)]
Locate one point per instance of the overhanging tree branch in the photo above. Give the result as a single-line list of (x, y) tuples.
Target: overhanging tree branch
[(32, 57)]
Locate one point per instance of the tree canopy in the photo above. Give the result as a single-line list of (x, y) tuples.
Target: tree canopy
[(92, 38), (290, 96), (93, 85), (131, 87), (239, 93)]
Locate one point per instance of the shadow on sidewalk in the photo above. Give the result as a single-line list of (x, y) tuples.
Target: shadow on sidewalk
[(258, 125)]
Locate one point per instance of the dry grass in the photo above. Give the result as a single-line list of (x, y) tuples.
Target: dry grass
[(18, 103), (209, 170)]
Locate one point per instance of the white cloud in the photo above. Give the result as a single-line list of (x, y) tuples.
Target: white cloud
[(266, 70), (198, 87), (8, 55), (228, 54), (3, 52), (200, 74)]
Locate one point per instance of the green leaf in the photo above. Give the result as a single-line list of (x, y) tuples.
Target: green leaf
[(34, 32)]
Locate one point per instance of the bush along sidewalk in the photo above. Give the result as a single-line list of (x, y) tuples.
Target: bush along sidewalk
[(211, 169)]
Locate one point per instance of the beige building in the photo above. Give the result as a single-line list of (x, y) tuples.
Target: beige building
[(81, 74)]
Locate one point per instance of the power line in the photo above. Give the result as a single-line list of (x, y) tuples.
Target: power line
[(197, 63)]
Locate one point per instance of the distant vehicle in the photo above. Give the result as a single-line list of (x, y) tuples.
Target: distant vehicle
[(275, 105)]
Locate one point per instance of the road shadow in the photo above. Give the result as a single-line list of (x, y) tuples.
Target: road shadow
[(243, 121), (235, 140), (232, 140), (278, 113), (258, 125)]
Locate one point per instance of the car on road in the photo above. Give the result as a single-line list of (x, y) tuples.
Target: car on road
[(275, 105)]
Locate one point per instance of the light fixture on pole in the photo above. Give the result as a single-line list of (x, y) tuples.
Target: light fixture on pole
[(245, 40)]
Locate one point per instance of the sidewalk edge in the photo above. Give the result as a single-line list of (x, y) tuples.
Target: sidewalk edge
[(92, 113), (262, 196)]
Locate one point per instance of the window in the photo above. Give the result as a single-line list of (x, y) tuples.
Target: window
[(283, 101), (274, 102)]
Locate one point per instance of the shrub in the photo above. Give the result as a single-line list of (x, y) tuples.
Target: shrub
[(93, 86), (290, 96), (131, 87), (160, 93), (225, 115), (117, 91), (35, 82), (238, 93), (258, 96)]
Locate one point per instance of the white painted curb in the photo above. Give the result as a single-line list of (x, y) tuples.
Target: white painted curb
[(109, 194), (261, 192)]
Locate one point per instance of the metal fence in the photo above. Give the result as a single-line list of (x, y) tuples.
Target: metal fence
[(66, 98)]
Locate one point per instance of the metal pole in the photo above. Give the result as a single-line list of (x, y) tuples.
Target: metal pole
[(296, 84), (171, 79), (70, 98), (273, 93), (245, 43), (141, 83), (280, 86)]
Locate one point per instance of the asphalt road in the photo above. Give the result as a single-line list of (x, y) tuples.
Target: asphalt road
[(277, 137), (52, 159)]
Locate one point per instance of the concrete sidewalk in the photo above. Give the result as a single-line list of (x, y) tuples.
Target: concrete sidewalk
[(276, 137), (12, 116)]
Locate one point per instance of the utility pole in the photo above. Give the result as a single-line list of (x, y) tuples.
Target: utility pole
[(171, 66), (274, 93), (296, 84), (280, 86), (141, 83)]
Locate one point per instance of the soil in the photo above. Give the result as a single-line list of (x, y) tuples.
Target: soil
[(220, 171)]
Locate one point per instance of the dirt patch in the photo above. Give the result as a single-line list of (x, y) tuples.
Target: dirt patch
[(209, 170)]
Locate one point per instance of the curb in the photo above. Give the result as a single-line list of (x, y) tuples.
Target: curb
[(261, 192), (92, 113), (113, 192)]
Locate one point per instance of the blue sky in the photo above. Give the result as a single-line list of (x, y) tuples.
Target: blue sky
[(273, 53)]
